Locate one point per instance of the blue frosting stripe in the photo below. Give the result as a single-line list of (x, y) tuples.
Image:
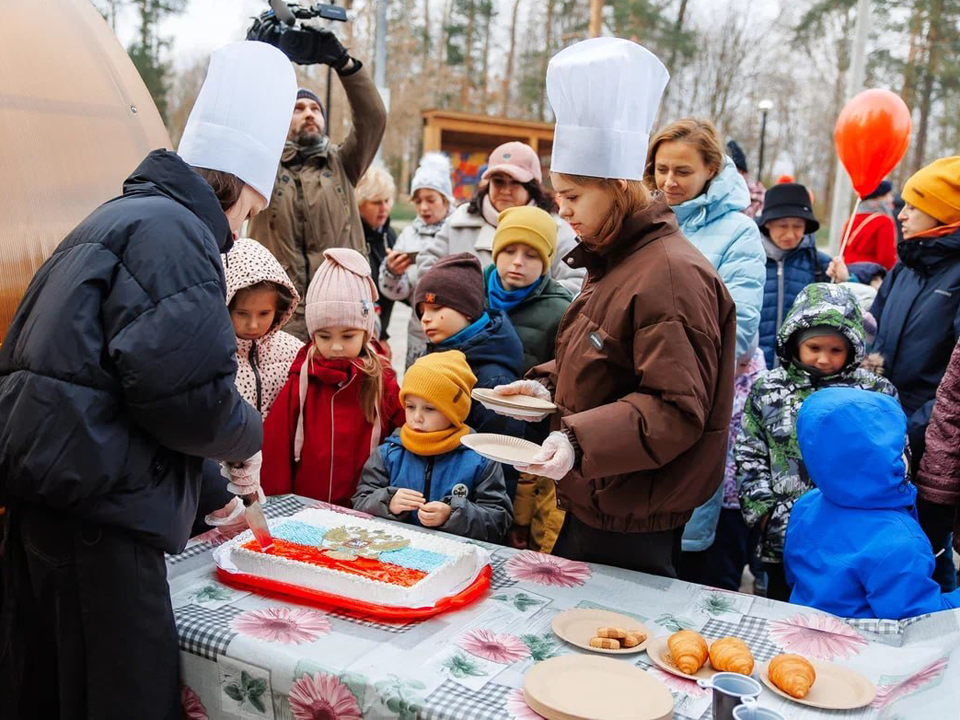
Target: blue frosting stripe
[(414, 559), (297, 532), (312, 536)]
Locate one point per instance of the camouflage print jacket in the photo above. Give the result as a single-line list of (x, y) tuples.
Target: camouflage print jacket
[(770, 471)]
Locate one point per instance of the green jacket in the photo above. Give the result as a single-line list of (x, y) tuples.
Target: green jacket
[(537, 319), (770, 471)]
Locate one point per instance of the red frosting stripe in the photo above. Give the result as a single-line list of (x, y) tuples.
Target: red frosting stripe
[(364, 567)]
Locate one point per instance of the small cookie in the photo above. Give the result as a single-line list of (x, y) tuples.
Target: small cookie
[(605, 643), (633, 639), (612, 632)]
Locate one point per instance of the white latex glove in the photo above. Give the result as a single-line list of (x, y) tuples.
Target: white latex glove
[(523, 387), (555, 459), (245, 476), (230, 519)]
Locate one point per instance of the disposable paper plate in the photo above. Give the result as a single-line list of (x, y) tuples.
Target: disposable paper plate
[(502, 448), (577, 626), (519, 402), (660, 655), (581, 687), (836, 687)]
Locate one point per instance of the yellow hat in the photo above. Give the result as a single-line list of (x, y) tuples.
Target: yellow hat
[(935, 190), (444, 380), (529, 226)]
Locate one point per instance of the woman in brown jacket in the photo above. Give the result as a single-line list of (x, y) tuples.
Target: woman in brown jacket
[(644, 370)]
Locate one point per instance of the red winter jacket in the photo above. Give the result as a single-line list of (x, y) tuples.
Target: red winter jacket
[(336, 436), (873, 238)]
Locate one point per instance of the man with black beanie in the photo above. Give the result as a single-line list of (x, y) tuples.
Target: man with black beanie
[(313, 206)]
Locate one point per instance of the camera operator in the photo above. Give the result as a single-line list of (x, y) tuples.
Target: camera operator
[(313, 206)]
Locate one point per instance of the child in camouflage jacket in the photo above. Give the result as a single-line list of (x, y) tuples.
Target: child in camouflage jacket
[(825, 327)]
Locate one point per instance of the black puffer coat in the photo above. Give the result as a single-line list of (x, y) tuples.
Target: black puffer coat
[(117, 373)]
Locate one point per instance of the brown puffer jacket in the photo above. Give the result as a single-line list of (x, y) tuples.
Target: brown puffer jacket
[(644, 378), (313, 206)]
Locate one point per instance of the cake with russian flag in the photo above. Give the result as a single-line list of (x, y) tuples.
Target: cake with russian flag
[(357, 558)]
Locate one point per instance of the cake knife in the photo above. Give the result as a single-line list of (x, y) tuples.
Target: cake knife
[(257, 521)]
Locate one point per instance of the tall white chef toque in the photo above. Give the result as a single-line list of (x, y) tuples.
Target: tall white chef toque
[(240, 120), (605, 93)]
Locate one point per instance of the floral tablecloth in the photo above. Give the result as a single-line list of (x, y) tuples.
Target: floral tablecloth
[(262, 656)]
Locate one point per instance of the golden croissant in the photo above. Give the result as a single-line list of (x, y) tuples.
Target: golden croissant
[(731, 654), (689, 651), (792, 674)]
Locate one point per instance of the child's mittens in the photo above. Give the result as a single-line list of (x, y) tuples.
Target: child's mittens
[(603, 643)]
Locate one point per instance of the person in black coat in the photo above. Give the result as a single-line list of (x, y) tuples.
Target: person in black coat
[(375, 193), (117, 393), (918, 317)]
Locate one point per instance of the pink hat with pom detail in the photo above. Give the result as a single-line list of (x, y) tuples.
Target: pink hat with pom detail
[(342, 293)]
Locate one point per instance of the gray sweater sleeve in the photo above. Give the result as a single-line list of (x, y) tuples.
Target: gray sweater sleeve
[(374, 492), (489, 514)]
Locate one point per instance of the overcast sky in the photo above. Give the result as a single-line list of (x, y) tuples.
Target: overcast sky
[(204, 26)]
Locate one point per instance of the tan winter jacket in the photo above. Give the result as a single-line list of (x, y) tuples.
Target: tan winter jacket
[(644, 378), (313, 206), (262, 365)]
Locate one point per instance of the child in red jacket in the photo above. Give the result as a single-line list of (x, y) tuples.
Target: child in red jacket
[(340, 399)]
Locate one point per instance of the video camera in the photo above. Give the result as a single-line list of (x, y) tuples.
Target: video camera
[(303, 44)]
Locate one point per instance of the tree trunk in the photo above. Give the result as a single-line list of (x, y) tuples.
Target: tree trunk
[(443, 74), (909, 91), (547, 52), (485, 66), (508, 74), (672, 60), (465, 87), (596, 18), (930, 70)]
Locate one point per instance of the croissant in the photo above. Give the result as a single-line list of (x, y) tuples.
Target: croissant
[(689, 651), (792, 674), (731, 654)]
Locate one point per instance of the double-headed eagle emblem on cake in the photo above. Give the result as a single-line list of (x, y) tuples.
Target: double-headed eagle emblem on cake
[(350, 543)]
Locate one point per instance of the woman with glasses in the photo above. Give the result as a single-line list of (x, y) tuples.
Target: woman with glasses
[(513, 178)]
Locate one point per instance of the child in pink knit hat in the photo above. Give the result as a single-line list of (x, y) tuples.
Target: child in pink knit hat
[(340, 397)]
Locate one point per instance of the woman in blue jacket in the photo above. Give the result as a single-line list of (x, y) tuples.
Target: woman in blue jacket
[(792, 258), (854, 547), (708, 195)]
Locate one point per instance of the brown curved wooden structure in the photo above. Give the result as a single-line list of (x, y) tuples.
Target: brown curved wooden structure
[(75, 119)]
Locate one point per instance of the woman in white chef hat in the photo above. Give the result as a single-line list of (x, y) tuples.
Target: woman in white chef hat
[(117, 377), (643, 376)]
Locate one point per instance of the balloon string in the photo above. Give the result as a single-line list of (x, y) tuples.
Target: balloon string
[(846, 235)]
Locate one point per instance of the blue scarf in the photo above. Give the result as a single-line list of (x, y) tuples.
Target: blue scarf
[(503, 299), (468, 332)]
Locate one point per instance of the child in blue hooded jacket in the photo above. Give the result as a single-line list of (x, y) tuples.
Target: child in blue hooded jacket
[(854, 546)]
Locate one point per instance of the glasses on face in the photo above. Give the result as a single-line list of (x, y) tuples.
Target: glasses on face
[(501, 183)]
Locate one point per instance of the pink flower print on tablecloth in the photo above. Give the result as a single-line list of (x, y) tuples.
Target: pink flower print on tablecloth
[(282, 624), (323, 697), (530, 566), (819, 636), (518, 708), (193, 709), (890, 692), (499, 648)]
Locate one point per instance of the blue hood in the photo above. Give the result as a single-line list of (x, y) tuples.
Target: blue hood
[(726, 193), (496, 345), (852, 444)]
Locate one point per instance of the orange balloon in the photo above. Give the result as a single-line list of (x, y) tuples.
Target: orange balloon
[(872, 136)]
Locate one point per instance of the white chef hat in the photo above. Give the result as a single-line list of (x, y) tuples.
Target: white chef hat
[(240, 120), (605, 93)]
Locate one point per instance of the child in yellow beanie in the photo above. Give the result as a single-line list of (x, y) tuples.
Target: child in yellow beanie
[(519, 283), (422, 474)]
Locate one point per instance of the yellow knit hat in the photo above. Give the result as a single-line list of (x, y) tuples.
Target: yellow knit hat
[(530, 226), (935, 190), (444, 380)]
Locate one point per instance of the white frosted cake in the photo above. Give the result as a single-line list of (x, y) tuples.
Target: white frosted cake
[(357, 558)]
